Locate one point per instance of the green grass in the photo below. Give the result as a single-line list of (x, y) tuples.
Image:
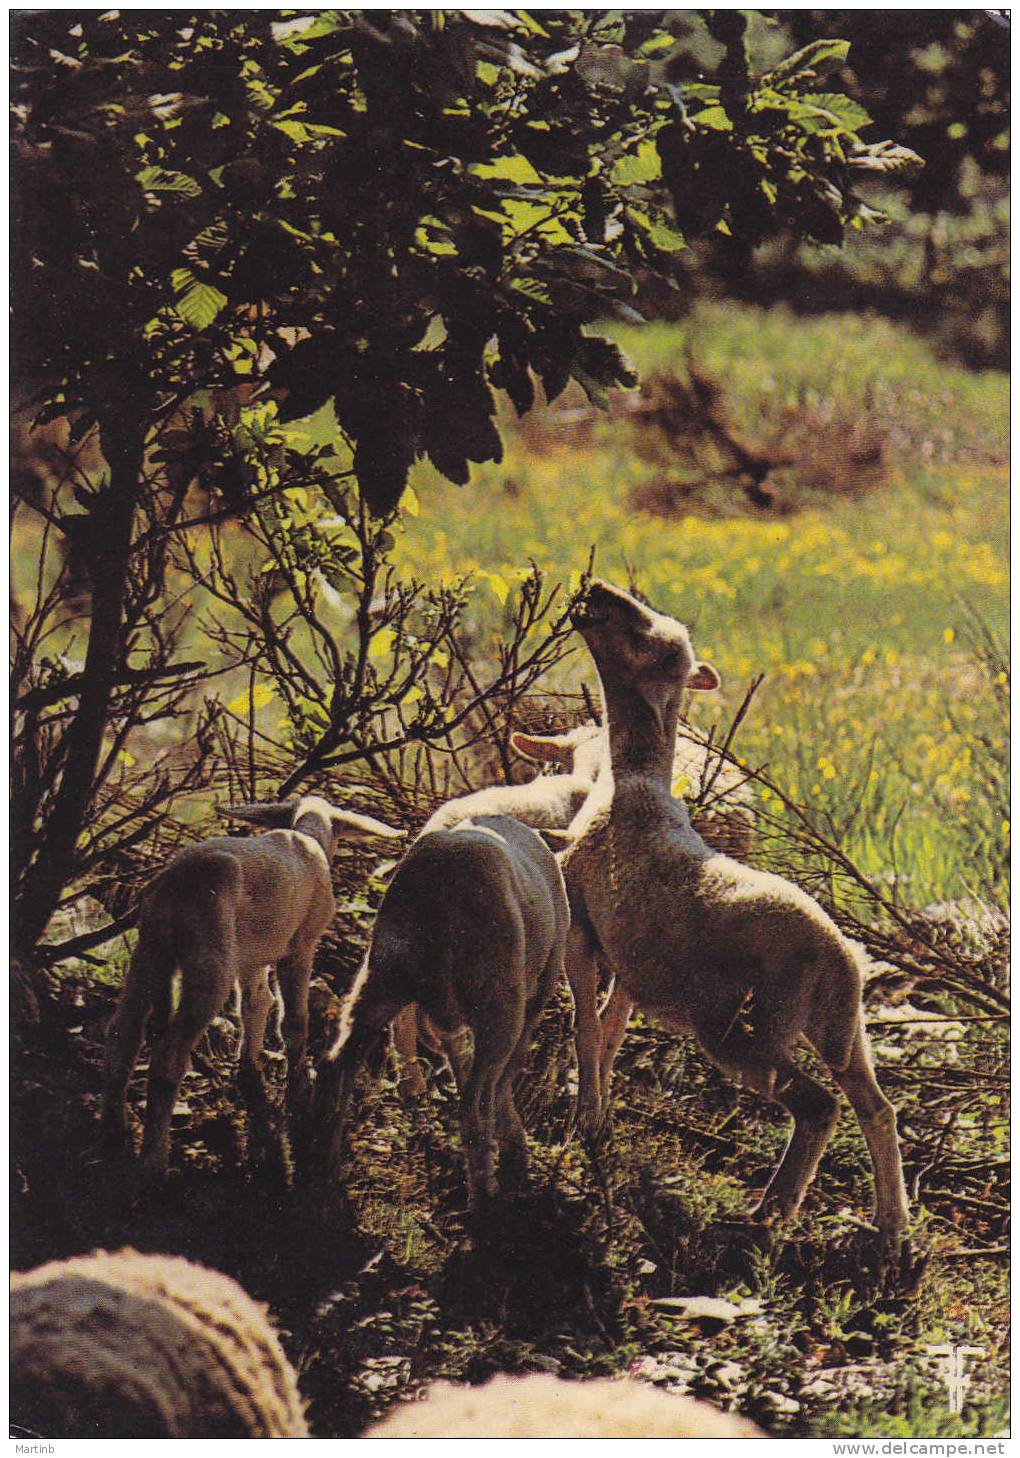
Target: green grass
[(859, 610)]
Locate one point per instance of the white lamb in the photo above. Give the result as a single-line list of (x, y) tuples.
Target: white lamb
[(727, 824), (548, 803), (744, 959)]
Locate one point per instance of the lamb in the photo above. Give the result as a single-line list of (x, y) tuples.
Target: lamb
[(472, 928), (540, 1406), (123, 1345), (744, 959), (224, 911), (548, 803), (727, 824)]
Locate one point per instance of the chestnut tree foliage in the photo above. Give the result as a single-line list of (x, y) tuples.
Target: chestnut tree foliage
[(379, 219)]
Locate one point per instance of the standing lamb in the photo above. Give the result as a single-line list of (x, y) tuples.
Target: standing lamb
[(744, 959), (125, 1345), (224, 911), (549, 802), (472, 928)]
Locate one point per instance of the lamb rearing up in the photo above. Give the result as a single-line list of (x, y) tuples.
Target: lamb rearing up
[(472, 928), (744, 959), (727, 824), (224, 911)]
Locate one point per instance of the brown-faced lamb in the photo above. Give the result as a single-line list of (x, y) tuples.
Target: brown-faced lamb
[(744, 959), (541, 1406), (123, 1345), (472, 928), (223, 912)]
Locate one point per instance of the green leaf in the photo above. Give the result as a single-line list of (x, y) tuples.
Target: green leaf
[(885, 157), (512, 168), (818, 58), (660, 234), (713, 117), (433, 242), (849, 114), (161, 179), (655, 44), (297, 131), (642, 165), (701, 91), (496, 19), (307, 27), (527, 217), (197, 303)]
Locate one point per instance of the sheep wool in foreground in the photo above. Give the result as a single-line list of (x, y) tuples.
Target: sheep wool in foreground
[(541, 1406), (126, 1345)]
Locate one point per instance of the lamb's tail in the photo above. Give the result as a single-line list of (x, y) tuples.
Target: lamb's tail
[(147, 987), (368, 1009)]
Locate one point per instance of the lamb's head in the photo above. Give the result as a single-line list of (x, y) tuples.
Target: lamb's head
[(318, 818), (637, 649), (577, 751)]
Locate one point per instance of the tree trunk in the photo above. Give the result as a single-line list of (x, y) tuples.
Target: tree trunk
[(123, 428)]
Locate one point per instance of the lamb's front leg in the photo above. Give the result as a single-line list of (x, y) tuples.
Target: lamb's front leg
[(583, 975), (613, 1022)]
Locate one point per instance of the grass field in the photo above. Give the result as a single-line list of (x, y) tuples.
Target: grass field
[(872, 611)]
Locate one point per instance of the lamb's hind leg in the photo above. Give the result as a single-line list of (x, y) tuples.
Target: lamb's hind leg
[(814, 1111), (613, 1021), (877, 1119), (405, 1043), (294, 972), (774, 1075), (513, 1140), (256, 1004), (497, 1035), (207, 978)]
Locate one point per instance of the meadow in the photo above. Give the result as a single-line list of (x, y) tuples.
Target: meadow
[(877, 611)]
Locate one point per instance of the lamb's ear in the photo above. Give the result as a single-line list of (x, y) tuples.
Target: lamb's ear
[(347, 825), (544, 748), (274, 815), (704, 677)]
